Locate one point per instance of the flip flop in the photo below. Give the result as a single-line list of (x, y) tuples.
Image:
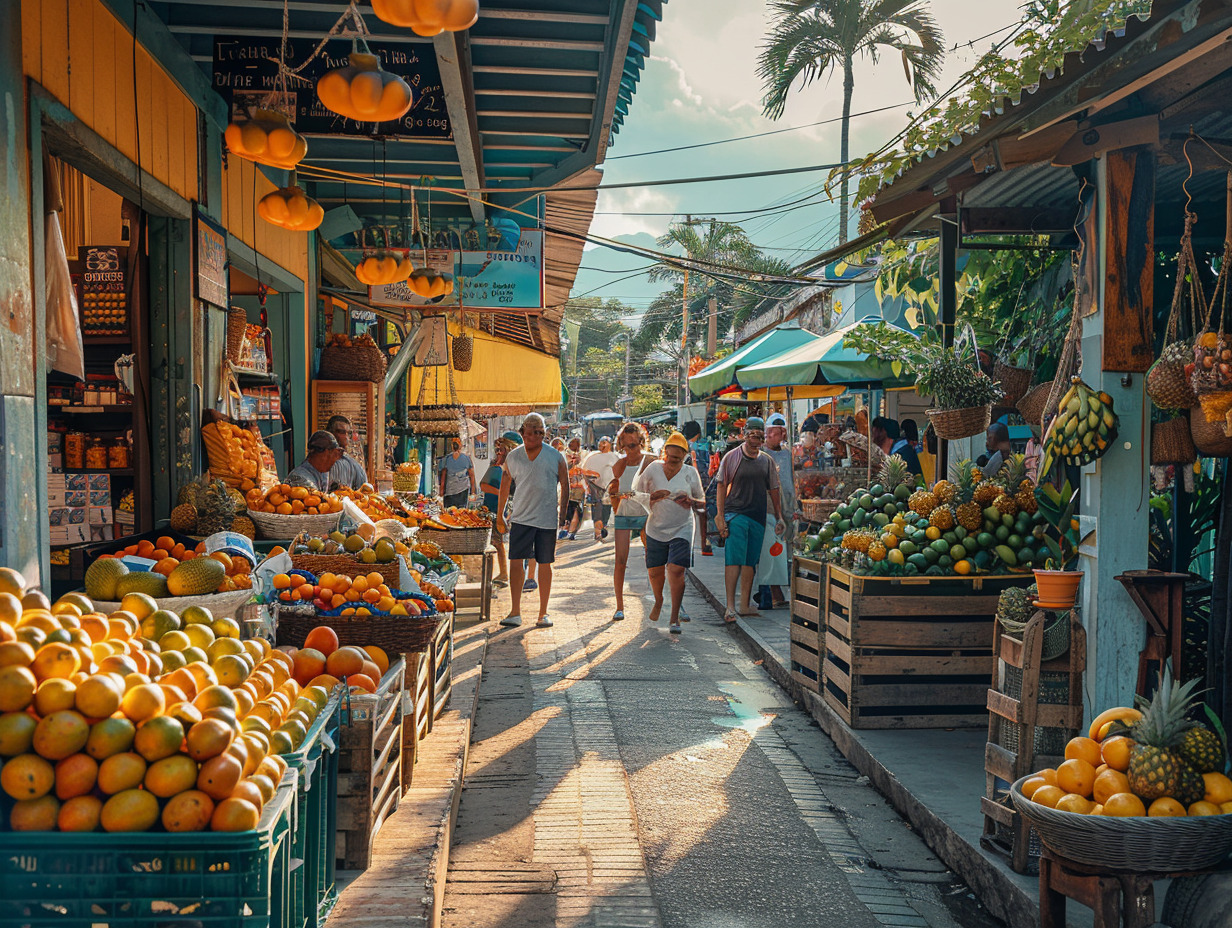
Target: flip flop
[(675, 629), (619, 616), (730, 616), (750, 615), (684, 616), (779, 604)]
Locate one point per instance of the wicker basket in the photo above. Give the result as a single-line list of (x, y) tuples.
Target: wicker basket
[(317, 564), (1031, 406), (273, 525), (1140, 844), (458, 540), (1208, 437), (1015, 381), (221, 605), (1056, 634), (952, 424), (237, 326), (819, 510), (405, 483), (1172, 443), (339, 362), (396, 635), (1167, 384)]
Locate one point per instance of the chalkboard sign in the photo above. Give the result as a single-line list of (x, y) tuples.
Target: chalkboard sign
[(246, 70)]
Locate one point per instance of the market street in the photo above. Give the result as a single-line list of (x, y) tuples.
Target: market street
[(622, 776)]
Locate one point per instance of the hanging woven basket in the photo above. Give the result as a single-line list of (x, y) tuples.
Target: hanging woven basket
[(1015, 381), (953, 424), (1031, 405), (1208, 437), (1172, 443), (362, 362), (463, 352)]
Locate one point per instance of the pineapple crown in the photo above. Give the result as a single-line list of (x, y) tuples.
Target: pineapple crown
[(894, 472), (962, 475), (1165, 716), (1014, 472)]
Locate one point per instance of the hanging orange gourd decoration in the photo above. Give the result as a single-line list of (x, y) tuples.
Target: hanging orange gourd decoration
[(267, 138), (428, 17), (363, 91), (429, 284), (292, 209), (383, 267)]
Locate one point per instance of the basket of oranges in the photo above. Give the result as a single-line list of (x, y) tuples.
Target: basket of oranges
[(284, 511), (362, 609)]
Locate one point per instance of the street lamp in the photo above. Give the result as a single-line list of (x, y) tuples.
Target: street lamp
[(626, 397)]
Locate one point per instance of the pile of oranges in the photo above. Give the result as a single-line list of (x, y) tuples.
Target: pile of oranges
[(102, 727), (287, 500), (361, 669), (360, 595)]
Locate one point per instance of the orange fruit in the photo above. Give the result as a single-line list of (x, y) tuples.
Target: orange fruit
[(17, 686), (219, 776), (308, 663), (344, 662), (1109, 783), (378, 657), (120, 772), (325, 680), (98, 696), (1115, 752), (1084, 749), (129, 810), (208, 738), (16, 733), (1218, 788), (158, 737), (35, 814), (264, 784), (143, 702), (216, 696), (60, 734), (171, 775), (186, 714), (1166, 807), (1124, 805), (362, 682), (1072, 802), (16, 653), (109, 737), (27, 776), (181, 678), (1048, 796), (76, 776), (1202, 807), (1076, 776), (81, 813), (54, 695), (235, 815), (95, 626), (248, 791), (188, 811), (371, 671), (55, 660)]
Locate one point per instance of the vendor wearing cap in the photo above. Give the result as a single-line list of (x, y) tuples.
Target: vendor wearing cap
[(808, 452), (490, 485), (323, 453), (774, 570), (675, 491), (748, 481)]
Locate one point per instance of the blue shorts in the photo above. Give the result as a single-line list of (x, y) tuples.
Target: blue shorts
[(744, 539), (675, 551), (629, 523)]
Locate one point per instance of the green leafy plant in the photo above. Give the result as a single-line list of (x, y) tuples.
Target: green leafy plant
[(1058, 507), (949, 374)]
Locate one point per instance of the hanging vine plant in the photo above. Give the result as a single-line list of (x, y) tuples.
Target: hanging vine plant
[(428, 17)]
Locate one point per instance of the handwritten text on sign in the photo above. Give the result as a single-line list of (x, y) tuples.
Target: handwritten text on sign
[(246, 70)]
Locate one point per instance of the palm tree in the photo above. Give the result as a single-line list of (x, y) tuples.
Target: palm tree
[(813, 36)]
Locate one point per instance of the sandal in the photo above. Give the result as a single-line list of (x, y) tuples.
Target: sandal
[(684, 616), (619, 616), (731, 616), (675, 629)]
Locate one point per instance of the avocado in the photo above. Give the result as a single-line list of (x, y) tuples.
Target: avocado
[(902, 491), (931, 555), (918, 561), (880, 519), (959, 532), (945, 562), (908, 548), (1007, 555), (1002, 533), (985, 540), (876, 489), (941, 546), (1015, 542), (866, 501), (858, 518), (970, 545), (950, 538)]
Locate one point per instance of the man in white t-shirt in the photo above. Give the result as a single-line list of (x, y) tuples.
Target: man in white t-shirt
[(675, 492), (600, 463), (541, 476)]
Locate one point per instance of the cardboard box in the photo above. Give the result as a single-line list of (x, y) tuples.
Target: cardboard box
[(102, 532), (59, 535), (74, 481), (55, 490), (101, 498), (77, 498), (78, 533), (99, 516), (99, 482)]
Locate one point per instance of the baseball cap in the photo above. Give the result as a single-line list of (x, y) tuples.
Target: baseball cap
[(512, 437), (755, 423), (322, 441), (677, 440), (777, 418), (810, 425)]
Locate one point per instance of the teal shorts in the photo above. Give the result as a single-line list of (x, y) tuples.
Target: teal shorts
[(629, 523), (744, 539)]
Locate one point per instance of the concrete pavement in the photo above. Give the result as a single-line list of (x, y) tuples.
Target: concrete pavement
[(622, 776)]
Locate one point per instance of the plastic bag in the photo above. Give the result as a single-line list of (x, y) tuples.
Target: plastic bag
[(64, 349)]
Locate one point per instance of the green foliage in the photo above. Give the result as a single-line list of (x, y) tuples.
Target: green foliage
[(1058, 507), (647, 399), (948, 374)]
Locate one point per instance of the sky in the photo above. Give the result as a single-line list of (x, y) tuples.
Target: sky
[(701, 84)]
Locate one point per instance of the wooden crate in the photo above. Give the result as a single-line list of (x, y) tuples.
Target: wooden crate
[(369, 767), (910, 652), (442, 666), (808, 648)]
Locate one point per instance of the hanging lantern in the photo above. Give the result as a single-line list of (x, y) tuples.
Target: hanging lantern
[(292, 209), (429, 284), (364, 92), (428, 17), (383, 267), (268, 138)]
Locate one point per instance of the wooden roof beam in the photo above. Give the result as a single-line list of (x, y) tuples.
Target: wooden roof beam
[(454, 59)]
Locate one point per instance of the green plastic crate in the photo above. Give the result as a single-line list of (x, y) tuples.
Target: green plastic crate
[(149, 879), (312, 881)]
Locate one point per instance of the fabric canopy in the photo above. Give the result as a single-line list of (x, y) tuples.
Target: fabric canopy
[(502, 374), (824, 359), (723, 373)]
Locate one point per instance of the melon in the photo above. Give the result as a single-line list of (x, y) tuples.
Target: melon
[(196, 577), (141, 581), (103, 576)]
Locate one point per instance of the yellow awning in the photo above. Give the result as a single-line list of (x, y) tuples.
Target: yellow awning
[(779, 394), (502, 374)]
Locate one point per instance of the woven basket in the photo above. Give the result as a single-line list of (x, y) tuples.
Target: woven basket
[(819, 510), (277, 526), (436, 428), (1056, 634), (405, 483), (339, 362), (1208, 437), (1172, 443), (458, 540), (436, 412), (237, 326), (1140, 844), (221, 605), (1031, 406), (317, 564), (952, 424), (1015, 381), (396, 635), (1167, 384)]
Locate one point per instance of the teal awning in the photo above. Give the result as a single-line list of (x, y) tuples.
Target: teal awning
[(722, 373), (824, 359)]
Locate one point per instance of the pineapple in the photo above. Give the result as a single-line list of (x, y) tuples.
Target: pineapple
[(1190, 787), (894, 473), (968, 512), (1154, 766), (986, 493), (215, 509), (1005, 505), (1018, 485), (1201, 749), (945, 491), (184, 518), (1014, 606), (942, 517), (876, 551), (922, 502)]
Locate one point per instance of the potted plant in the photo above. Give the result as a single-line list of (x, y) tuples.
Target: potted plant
[(1058, 581), (962, 393)]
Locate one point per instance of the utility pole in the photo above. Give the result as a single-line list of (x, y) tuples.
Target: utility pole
[(712, 328), (683, 368)]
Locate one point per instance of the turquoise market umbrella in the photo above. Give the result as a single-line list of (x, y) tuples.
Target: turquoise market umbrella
[(723, 373), (823, 360)]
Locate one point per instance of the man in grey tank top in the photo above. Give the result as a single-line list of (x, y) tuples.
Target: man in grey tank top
[(538, 508)]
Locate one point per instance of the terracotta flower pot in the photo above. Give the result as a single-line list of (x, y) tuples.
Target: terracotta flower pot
[(1058, 588)]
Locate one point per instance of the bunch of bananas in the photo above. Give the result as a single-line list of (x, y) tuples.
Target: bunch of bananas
[(1084, 429)]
